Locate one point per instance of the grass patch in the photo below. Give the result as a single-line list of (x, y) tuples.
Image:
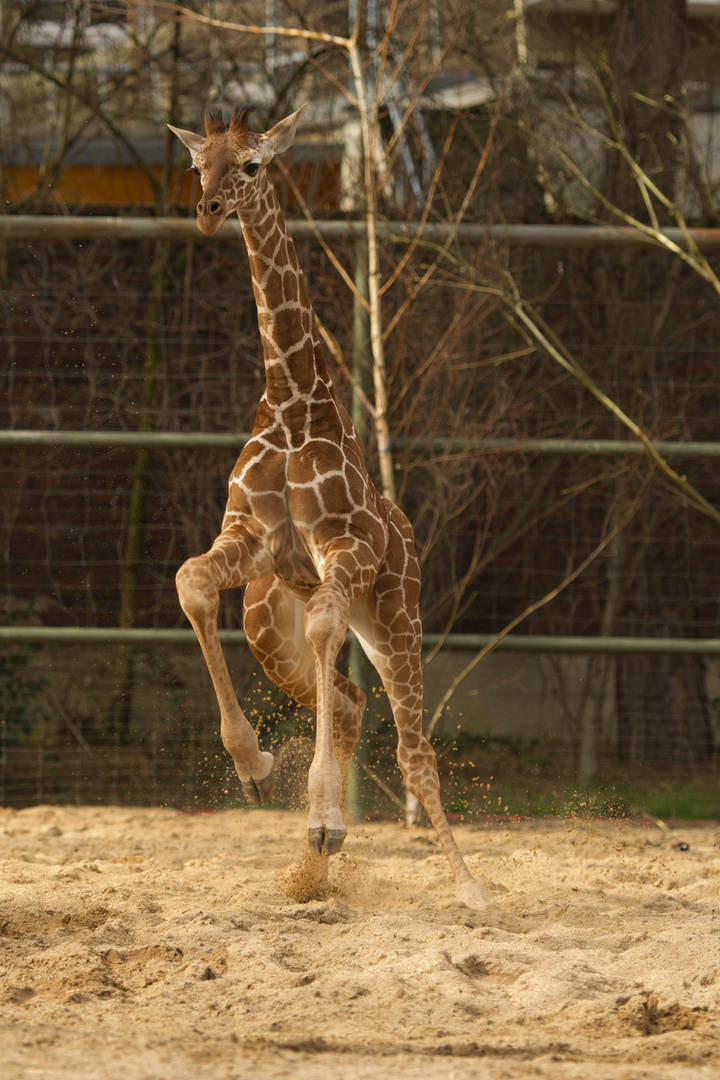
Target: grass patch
[(679, 801), (575, 803)]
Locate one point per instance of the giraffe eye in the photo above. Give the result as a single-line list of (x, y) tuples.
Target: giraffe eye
[(194, 168), (252, 168)]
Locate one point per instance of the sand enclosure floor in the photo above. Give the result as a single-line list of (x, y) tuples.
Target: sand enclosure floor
[(152, 943)]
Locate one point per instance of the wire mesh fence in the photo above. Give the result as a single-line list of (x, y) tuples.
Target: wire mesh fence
[(160, 337)]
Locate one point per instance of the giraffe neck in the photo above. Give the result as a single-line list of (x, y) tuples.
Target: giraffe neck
[(295, 369)]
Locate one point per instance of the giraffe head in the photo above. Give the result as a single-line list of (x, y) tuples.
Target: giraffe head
[(231, 161)]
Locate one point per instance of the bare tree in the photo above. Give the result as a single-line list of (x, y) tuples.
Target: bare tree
[(648, 166)]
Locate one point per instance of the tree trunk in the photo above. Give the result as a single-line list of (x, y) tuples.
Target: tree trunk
[(662, 703), (645, 54), (662, 707), (599, 684)]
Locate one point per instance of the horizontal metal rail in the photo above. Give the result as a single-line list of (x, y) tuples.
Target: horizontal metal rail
[(168, 440), (91, 227), (533, 643), (553, 236), (150, 440), (558, 447)]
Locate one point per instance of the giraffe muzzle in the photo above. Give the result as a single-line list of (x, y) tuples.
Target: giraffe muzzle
[(210, 215)]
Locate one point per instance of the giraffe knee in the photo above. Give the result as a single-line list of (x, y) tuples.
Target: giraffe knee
[(197, 592), (325, 622)]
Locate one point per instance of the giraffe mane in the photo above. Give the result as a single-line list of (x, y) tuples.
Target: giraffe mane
[(214, 123), (240, 122)]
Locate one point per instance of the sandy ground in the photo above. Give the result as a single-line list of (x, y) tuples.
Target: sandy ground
[(152, 943)]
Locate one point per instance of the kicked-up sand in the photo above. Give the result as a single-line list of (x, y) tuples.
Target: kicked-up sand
[(151, 943)]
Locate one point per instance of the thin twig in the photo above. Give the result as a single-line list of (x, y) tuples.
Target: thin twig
[(554, 348), (318, 235), (452, 233), (251, 28), (70, 723), (336, 352), (380, 783), (492, 645)]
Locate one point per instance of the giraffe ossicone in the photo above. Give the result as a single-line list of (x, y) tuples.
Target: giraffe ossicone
[(318, 548)]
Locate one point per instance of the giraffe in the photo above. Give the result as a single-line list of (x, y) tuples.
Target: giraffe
[(305, 530)]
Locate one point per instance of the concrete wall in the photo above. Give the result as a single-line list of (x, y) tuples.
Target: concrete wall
[(520, 695)]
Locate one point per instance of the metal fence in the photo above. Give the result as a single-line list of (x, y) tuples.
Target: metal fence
[(123, 403)]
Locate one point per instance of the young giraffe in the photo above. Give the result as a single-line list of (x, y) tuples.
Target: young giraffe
[(305, 530)]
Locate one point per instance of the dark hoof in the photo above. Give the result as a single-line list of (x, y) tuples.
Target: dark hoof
[(260, 791), (334, 840), (316, 839), (326, 841)]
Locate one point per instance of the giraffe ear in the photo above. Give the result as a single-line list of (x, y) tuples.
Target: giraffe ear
[(193, 142), (279, 138)]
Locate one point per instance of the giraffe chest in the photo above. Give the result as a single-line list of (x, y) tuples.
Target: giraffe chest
[(299, 503), (267, 517)]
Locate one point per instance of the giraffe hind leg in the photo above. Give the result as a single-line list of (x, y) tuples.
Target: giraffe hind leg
[(418, 766), (387, 625)]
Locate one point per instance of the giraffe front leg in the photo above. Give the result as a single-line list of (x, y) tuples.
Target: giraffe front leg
[(274, 624), (199, 581), (326, 617)]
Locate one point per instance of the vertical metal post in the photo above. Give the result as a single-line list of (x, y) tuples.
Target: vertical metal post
[(359, 668), (121, 705)]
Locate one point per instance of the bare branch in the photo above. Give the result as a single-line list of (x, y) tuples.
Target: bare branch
[(248, 28), (567, 580)]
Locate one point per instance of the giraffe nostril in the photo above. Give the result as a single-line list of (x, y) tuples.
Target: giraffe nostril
[(215, 207)]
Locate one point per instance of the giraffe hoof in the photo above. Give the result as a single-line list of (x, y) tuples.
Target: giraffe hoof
[(260, 791), (472, 894), (316, 839), (334, 840), (326, 841)]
